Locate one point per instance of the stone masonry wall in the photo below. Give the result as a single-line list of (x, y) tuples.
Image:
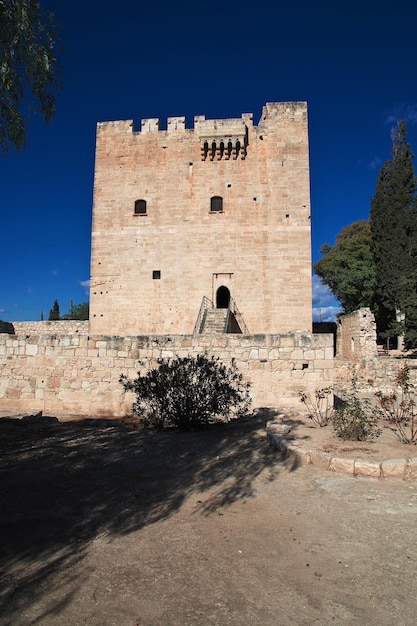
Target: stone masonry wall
[(377, 374), (67, 375), (356, 336), (61, 327), (357, 357), (150, 269)]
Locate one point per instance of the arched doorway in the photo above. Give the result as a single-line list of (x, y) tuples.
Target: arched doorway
[(222, 298)]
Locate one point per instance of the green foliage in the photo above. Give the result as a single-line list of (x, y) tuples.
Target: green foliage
[(374, 263), (398, 408), (78, 312), (28, 68), (6, 327), (348, 267), (355, 419), (320, 408), (54, 313), (393, 222), (188, 392)]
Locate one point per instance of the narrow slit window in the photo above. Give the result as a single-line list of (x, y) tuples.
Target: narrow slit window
[(216, 204), (140, 207)]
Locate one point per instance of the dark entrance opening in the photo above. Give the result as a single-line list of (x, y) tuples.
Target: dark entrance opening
[(222, 298)]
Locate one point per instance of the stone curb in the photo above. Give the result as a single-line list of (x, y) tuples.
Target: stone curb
[(406, 468)]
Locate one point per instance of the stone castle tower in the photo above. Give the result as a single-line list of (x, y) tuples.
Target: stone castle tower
[(202, 228)]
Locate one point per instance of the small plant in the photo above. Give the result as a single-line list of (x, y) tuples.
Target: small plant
[(355, 419), (398, 409), (321, 407), (188, 392)]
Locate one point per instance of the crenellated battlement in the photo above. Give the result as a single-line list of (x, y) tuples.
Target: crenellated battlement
[(219, 139), (215, 129)]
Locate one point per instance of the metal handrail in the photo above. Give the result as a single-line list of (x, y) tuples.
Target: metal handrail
[(233, 310), (199, 325)]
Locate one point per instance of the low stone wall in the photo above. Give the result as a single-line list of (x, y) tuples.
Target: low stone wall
[(376, 374), (79, 374), (61, 327), (357, 365)]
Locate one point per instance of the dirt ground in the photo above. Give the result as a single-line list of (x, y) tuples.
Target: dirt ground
[(108, 524)]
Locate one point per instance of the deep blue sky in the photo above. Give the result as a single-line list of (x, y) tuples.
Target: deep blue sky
[(354, 62)]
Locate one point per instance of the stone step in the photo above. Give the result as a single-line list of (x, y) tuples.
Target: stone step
[(215, 321)]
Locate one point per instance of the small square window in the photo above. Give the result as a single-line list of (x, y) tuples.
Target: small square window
[(140, 207), (216, 204), (156, 274)]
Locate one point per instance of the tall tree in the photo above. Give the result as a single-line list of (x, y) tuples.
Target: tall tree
[(54, 313), (394, 233), (348, 267), (78, 312), (28, 67)]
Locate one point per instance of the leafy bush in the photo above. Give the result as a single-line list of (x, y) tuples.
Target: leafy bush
[(398, 408), (188, 392), (320, 408), (6, 327), (355, 419)]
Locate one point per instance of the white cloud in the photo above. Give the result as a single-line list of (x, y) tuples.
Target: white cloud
[(326, 314), (375, 163), (322, 296), (402, 112), (86, 285), (325, 306)]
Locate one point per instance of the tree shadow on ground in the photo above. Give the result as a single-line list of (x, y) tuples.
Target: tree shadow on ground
[(62, 485)]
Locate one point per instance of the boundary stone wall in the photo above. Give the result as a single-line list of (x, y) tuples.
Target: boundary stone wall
[(357, 357), (68, 375), (376, 374), (61, 327)]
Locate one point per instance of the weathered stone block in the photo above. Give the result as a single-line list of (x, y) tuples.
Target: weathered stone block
[(367, 468), (320, 458), (347, 466), (412, 468), (394, 467), (31, 349)]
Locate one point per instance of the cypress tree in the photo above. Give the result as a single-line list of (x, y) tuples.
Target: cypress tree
[(54, 313), (394, 234)]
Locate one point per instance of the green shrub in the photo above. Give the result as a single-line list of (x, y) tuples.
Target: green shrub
[(6, 327), (355, 419), (188, 392)]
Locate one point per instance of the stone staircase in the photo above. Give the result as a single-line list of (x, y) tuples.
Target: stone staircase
[(214, 321)]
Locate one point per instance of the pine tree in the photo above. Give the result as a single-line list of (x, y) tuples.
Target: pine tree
[(54, 313), (394, 234), (77, 311)]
